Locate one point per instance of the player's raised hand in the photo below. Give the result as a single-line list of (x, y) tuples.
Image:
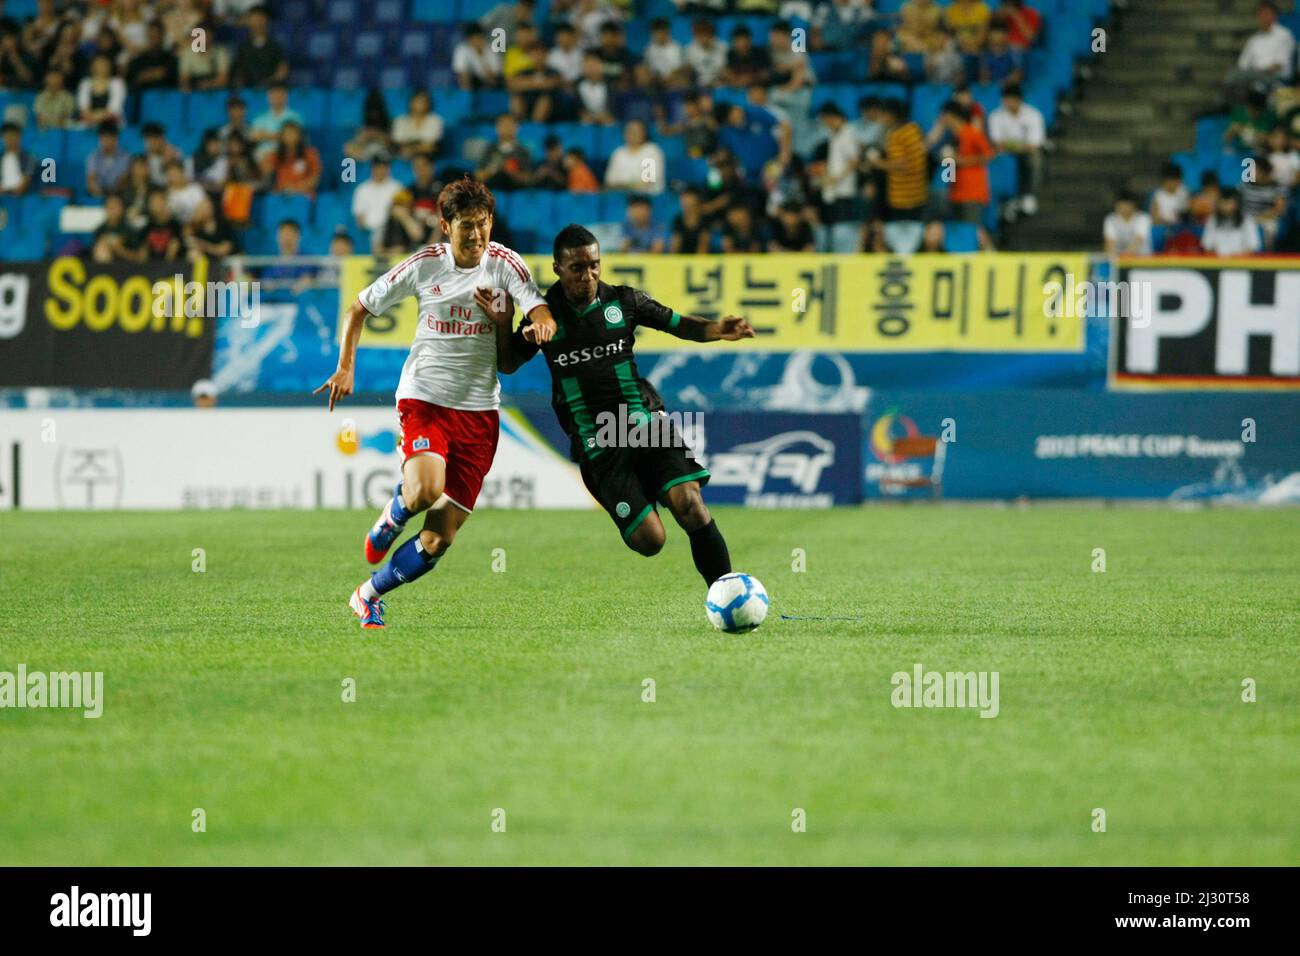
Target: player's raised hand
[(542, 327), (735, 327), (497, 304), (339, 384)]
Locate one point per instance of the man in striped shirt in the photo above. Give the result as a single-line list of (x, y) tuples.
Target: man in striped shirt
[(906, 178)]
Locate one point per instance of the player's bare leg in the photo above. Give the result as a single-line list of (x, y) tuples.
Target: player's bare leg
[(648, 538), (708, 547), (423, 478), (441, 522)]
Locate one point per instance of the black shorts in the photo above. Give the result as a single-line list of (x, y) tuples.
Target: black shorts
[(629, 482)]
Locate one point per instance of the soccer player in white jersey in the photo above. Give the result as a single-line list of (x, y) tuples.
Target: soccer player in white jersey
[(448, 395)]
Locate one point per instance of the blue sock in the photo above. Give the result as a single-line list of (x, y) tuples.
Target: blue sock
[(398, 507), (407, 563)]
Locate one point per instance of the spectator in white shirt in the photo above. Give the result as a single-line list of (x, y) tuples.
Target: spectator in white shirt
[(595, 102), (706, 55), (566, 56), (476, 65), (183, 194), (638, 165), (1169, 202), (1229, 232), (1269, 55), (373, 199), (101, 95), (1018, 129), (839, 184), (1284, 157), (419, 130), (665, 57), (1127, 230)]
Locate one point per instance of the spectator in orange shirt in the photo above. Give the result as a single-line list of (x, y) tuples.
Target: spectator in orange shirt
[(970, 194), (293, 166), (581, 178)]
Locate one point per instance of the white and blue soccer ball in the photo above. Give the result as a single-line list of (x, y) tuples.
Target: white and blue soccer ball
[(736, 603)]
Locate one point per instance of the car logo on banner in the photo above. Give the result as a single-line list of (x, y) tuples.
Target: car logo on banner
[(790, 463)]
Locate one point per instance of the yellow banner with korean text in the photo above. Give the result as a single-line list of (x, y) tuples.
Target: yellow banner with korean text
[(985, 302)]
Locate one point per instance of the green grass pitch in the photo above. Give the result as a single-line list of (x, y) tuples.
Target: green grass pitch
[(522, 690)]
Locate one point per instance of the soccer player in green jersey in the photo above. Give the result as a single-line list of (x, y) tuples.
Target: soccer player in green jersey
[(631, 455)]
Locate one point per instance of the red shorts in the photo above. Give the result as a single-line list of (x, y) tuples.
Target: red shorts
[(465, 440)]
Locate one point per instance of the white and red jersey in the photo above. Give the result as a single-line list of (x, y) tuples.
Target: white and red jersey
[(453, 360)]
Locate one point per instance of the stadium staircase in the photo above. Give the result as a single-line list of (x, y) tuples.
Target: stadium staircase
[(1165, 64)]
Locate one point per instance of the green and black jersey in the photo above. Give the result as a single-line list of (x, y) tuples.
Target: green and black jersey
[(592, 366)]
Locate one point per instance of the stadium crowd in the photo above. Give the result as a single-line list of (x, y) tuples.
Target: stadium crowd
[(683, 126), (1238, 192)]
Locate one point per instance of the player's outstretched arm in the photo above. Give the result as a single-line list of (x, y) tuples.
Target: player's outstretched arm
[(729, 329), (340, 383)]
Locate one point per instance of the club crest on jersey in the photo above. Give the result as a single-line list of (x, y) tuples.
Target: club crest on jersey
[(623, 509), (613, 314), (436, 290), (420, 444)]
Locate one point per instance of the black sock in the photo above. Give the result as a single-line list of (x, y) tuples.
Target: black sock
[(710, 552)]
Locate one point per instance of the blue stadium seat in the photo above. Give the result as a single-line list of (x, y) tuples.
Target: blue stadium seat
[(604, 140), (269, 209), (332, 210), (395, 77), (1209, 135), (295, 11), (532, 210), (613, 207), (207, 108), (343, 12), (346, 78), (368, 44), (1230, 169), (388, 11), (345, 108), (1159, 237), (475, 9), (416, 45), (434, 11), (1004, 177), (452, 105), (1192, 168), (927, 100), (532, 136), (489, 104), (45, 144), (689, 170), (322, 45), (581, 208), (960, 237), (162, 106), (665, 207)]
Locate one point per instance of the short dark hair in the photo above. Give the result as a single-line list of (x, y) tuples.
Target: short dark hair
[(152, 129), (289, 222), (895, 108), (1171, 171), (953, 108), (465, 195), (572, 236), (638, 200), (1013, 89), (11, 127)]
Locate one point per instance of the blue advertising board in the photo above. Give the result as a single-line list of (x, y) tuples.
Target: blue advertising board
[(1044, 443)]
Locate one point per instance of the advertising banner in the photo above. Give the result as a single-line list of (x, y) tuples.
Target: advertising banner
[(779, 460), (77, 324), (986, 302), (246, 458), (1044, 443), (1215, 323)]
